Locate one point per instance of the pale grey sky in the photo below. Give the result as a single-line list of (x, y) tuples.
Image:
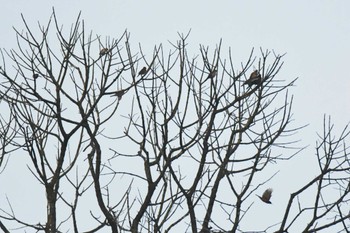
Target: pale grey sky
[(314, 34)]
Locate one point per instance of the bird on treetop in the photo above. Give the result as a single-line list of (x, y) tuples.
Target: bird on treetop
[(143, 71), (104, 51), (119, 94), (266, 196), (211, 75), (254, 79)]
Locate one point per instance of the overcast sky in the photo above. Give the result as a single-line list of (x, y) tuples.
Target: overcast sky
[(315, 35)]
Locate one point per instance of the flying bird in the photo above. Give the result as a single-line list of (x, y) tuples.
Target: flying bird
[(143, 71), (266, 196), (254, 79), (103, 51)]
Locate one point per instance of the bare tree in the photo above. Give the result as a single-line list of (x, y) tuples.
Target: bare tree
[(187, 154), (58, 101), (327, 211)]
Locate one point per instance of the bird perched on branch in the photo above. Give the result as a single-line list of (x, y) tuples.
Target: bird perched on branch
[(119, 93), (211, 74), (143, 71), (266, 196), (35, 76), (254, 79), (103, 51)]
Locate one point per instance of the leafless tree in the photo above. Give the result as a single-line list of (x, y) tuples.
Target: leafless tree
[(184, 155), (327, 212)]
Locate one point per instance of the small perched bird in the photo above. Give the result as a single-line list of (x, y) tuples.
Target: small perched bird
[(104, 51), (254, 79), (211, 74), (119, 94), (143, 71), (266, 196), (35, 76)]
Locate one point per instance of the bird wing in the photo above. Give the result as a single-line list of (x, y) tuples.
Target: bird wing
[(267, 194)]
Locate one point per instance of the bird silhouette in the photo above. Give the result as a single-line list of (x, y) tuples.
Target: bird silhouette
[(119, 93), (211, 74), (35, 76), (104, 51), (254, 79), (266, 196), (143, 71)]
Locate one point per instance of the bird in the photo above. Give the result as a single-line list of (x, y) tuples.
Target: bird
[(143, 71), (119, 93), (211, 74), (35, 76), (266, 196), (104, 51), (254, 79)]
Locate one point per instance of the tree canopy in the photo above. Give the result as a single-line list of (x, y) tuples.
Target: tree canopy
[(124, 141)]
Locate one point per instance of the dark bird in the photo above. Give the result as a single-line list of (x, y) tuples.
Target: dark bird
[(104, 51), (143, 71), (119, 93), (254, 79), (211, 75), (266, 196), (35, 76)]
